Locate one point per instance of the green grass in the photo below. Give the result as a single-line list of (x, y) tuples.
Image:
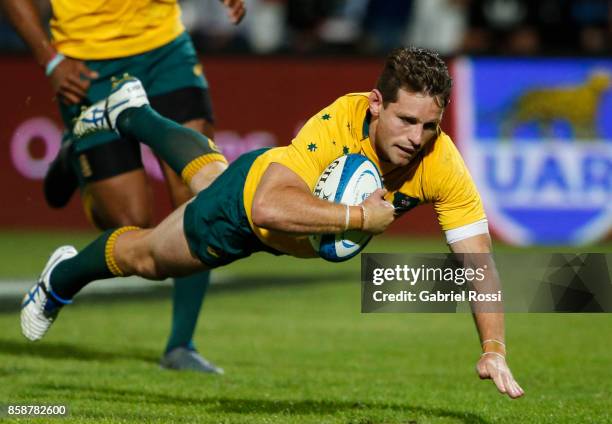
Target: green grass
[(25, 253), (301, 353)]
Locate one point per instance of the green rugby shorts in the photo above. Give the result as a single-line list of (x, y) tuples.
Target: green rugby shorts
[(215, 222)]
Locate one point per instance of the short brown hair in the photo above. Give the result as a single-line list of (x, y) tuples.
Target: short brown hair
[(416, 70)]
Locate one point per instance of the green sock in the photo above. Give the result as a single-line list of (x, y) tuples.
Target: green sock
[(189, 293), (71, 275), (176, 144)]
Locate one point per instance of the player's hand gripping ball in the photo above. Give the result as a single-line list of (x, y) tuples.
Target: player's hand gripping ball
[(348, 180)]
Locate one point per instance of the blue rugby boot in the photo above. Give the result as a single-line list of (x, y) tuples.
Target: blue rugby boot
[(127, 92), (40, 306)]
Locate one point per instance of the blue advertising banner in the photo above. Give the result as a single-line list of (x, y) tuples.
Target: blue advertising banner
[(537, 137)]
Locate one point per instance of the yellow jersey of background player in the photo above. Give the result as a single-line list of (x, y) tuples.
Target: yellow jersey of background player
[(103, 29)]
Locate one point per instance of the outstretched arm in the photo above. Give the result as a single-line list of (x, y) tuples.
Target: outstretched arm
[(283, 202), (490, 325), (70, 77)]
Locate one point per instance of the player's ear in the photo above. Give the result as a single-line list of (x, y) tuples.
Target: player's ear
[(376, 102)]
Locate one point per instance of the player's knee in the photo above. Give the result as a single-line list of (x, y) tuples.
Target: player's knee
[(126, 217), (136, 257), (107, 212), (206, 176), (145, 265), (138, 219), (105, 220), (203, 170)]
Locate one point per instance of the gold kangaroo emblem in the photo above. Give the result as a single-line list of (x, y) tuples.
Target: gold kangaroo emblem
[(576, 105)]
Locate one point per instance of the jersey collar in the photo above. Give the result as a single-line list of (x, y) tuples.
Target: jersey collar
[(366, 145)]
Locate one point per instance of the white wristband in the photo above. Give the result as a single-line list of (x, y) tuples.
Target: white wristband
[(347, 217), (57, 59)]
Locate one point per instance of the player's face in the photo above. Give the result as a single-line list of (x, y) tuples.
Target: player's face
[(402, 128)]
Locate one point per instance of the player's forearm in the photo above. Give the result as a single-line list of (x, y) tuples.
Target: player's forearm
[(295, 211), (490, 328), (488, 317), (25, 18)]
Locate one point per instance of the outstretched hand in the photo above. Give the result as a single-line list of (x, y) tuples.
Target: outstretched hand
[(235, 10), (71, 79), (494, 367)]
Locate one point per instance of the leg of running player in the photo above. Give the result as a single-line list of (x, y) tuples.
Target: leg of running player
[(124, 200), (121, 200), (195, 157), (189, 292)]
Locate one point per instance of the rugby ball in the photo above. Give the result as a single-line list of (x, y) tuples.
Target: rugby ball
[(348, 180)]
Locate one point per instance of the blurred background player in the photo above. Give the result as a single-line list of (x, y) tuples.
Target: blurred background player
[(92, 43)]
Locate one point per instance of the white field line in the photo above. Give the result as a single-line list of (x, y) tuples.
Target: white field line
[(17, 288)]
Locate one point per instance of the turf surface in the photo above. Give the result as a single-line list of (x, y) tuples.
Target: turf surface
[(296, 349)]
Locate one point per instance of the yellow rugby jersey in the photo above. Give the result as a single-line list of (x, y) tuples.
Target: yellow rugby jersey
[(437, 175), (110, 29)]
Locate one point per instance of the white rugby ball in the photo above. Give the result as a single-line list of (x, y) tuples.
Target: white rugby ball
[(348, 180)]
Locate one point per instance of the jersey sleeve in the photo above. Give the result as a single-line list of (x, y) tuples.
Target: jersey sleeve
[(451, 189), (313, 149)]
